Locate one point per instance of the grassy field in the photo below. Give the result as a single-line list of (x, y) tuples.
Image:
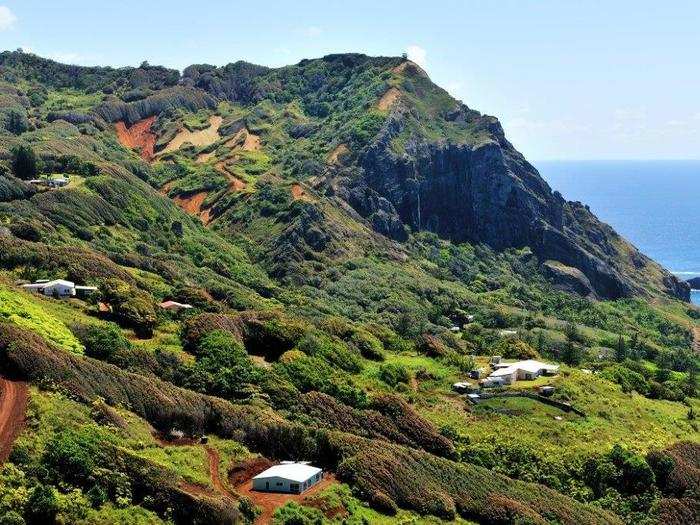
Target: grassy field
[(45, 316)]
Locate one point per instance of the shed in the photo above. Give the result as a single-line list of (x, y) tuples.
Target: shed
[(289, 476), (175, 306)]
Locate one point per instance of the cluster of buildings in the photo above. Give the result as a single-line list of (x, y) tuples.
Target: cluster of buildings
[(57, 182), (506, 374), (509, 373)]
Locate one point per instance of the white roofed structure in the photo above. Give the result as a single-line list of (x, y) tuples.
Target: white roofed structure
[(288, 476)]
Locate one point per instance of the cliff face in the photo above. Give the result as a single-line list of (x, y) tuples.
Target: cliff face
[(486, 192)]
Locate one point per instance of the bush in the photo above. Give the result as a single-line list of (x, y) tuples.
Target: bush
[(393, 374), (515, 349), (132, 307), (102, 341), (294, 514), (42, 506), (369, 346)]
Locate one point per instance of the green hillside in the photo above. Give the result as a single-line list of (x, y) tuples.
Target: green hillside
[(333, 226)]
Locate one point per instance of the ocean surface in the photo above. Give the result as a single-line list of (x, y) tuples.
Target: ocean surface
[(654, 204)]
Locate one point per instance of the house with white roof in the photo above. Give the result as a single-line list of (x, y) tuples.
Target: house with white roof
[(529, 369), (58, 288), (289, 476)]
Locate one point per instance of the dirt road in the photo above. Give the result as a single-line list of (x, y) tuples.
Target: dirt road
[(13, 404), (696, 339), (270, 501)]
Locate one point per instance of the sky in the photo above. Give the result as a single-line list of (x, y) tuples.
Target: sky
[(568, 79)]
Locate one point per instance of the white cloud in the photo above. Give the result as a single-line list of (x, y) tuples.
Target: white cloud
[(313, 31), (418, 55), (7, 18)]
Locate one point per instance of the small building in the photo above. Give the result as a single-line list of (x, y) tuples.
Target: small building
[(455, 329), (462, 387), (546, 391), (495, 359), (58, 288), (492, 382), (58, 182), (507, 333), (474, 398), (509, 375), (289, 476), (174, 306), (476, 373)]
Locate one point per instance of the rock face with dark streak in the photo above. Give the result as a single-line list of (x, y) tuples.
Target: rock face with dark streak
[(486, 192)]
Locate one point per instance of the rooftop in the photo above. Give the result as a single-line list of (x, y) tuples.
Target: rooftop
[(299, 472)]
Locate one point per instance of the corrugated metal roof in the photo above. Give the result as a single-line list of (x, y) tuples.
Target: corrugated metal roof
[(298, 472)]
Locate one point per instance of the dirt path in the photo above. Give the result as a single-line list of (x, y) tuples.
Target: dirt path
[(696, 339), (214, 460), (13, 404), (270, 501)]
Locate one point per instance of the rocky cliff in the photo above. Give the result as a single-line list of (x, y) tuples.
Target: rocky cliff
[(481, 190)]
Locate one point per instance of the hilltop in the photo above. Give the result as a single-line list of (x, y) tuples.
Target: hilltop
[(352, 241)]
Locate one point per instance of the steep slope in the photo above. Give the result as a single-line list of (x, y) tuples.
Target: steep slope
[(435, 165), (353, 242)]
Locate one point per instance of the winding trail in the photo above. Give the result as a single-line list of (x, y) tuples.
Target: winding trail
[(696, 339), (13, 404)]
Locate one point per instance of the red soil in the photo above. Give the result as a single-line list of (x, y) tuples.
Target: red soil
[(270, 501), (191, 203), (299, 193), (214, 460), (13, 404), (138, 136)]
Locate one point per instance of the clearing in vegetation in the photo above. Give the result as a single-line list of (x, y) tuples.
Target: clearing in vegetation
[(203, 137), (388, 99), (139, 136)]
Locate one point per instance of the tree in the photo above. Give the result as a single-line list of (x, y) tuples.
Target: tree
[(24, 163), (620, 349), (571, 354), (17, 122), (42, 506)]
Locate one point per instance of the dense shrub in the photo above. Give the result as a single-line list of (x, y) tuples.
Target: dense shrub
[(370, 347), (132, 307), (102, 341), (393, 374), (24, 162)]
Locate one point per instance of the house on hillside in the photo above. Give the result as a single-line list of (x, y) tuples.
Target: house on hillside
[(288, 476), (526, 370), (58, 288), (174, 306)]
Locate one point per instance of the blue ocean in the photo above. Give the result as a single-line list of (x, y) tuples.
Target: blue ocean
[(654, 204)]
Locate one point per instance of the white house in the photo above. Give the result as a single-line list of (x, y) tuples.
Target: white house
[(288, 476), (522, 370), (58, 288)]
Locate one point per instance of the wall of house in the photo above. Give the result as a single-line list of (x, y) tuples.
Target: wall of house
[(277, 484)]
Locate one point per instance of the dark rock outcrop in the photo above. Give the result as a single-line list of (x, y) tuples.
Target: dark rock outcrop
[(694, 283), (484, 191)]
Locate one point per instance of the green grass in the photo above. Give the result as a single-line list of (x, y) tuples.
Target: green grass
[(37, 315), (612, 417)]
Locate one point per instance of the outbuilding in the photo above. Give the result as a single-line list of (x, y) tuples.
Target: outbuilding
[(289, 476), (175, 306)]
